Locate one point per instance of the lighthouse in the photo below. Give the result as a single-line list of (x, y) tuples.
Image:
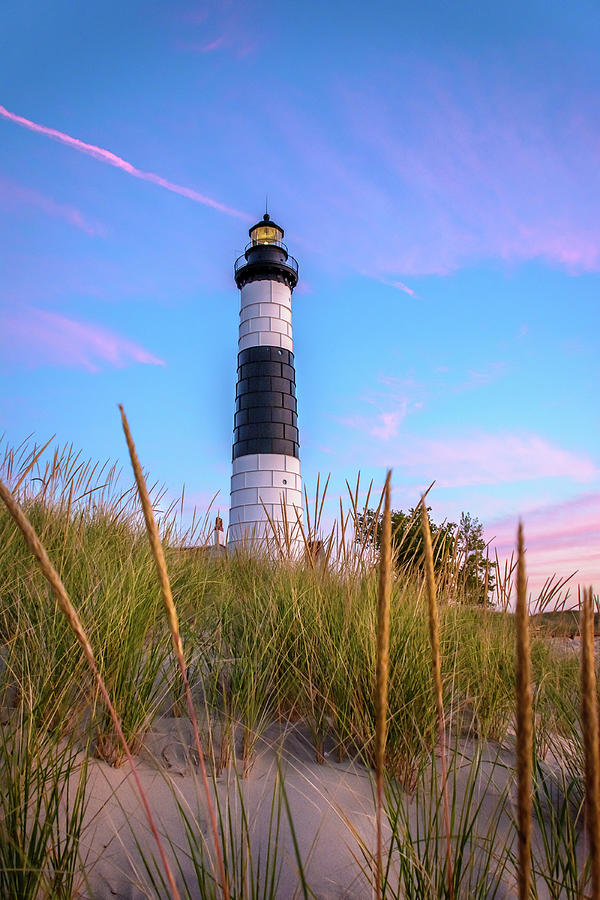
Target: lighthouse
[(266, 489)]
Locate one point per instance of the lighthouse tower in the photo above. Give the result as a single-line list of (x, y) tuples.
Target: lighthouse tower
[(265, 483)]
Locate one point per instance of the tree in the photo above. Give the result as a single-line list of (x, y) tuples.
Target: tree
[(459, 546), (407, 537), (473, 561)]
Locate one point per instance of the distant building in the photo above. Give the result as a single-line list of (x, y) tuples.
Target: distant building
[(218, 533)]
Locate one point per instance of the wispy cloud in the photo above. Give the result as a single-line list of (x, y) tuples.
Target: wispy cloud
[(201, 46), (389, 424), (458, 459), (383, 425), (220, 26), (393, 398), (560, 538), (400, 286), (480, 458), (14, 196), (304, 287), (471, 165), (554, 525), (403, 287), (213, 45), (36, 337), (386, 407), (111, 159), (485, 375)]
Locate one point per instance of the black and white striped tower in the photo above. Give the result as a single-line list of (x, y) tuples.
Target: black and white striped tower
[(266, 464)]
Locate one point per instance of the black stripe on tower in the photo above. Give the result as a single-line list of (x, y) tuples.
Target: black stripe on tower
[(266, 414)]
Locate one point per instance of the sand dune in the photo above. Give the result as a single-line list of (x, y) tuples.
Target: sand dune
[(331, 806)]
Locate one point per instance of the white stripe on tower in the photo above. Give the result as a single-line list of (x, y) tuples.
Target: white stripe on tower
[(266, 315), (265, 485)]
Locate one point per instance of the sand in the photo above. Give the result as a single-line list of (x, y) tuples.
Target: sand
[(323, 799), (331, 806)]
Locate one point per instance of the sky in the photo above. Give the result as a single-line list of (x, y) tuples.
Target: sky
[(436, 167)]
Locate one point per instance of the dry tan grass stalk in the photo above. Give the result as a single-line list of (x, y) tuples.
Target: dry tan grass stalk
[(524, 724), (313, 530), (323, 496), (504, 583), (172, 618), (589, 720), (550, 593), (382, 667), (307, 508), (286, 529), (343, 526), (404, 529), (70, 613), (354, 497), (312, 527), (274, 532), (67, 523), (308, 552), (486, 583), (370, 536), (30, 465), (436, 660)]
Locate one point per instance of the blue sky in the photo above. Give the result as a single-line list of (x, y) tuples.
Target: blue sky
[(435, 167)]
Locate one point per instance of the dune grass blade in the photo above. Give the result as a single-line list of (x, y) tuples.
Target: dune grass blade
[(58, 589), (589, 719), (383, 649), (171, 613), (253, 866), (524, 724), (481, 843), (436, 661), (306, 892), (41, 812), (558, 812)]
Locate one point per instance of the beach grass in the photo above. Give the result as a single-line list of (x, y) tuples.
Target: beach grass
[(254, 640)]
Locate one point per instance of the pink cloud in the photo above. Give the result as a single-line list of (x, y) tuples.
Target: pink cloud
[(323, 449), (13, 196), (491, 459), (213, 45), (400, 286), (477, 378), (554, 525), (106, 156), (560, 538), (382, 425), (403, 287), (469, 165), (220, 26), (37, 337), (202, 47), (389, 424), (304, 287), (460, 460)]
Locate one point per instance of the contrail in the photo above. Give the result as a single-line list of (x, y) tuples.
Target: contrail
[(112, 159)]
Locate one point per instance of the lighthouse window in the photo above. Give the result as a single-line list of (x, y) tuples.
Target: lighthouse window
[(265, 234)]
